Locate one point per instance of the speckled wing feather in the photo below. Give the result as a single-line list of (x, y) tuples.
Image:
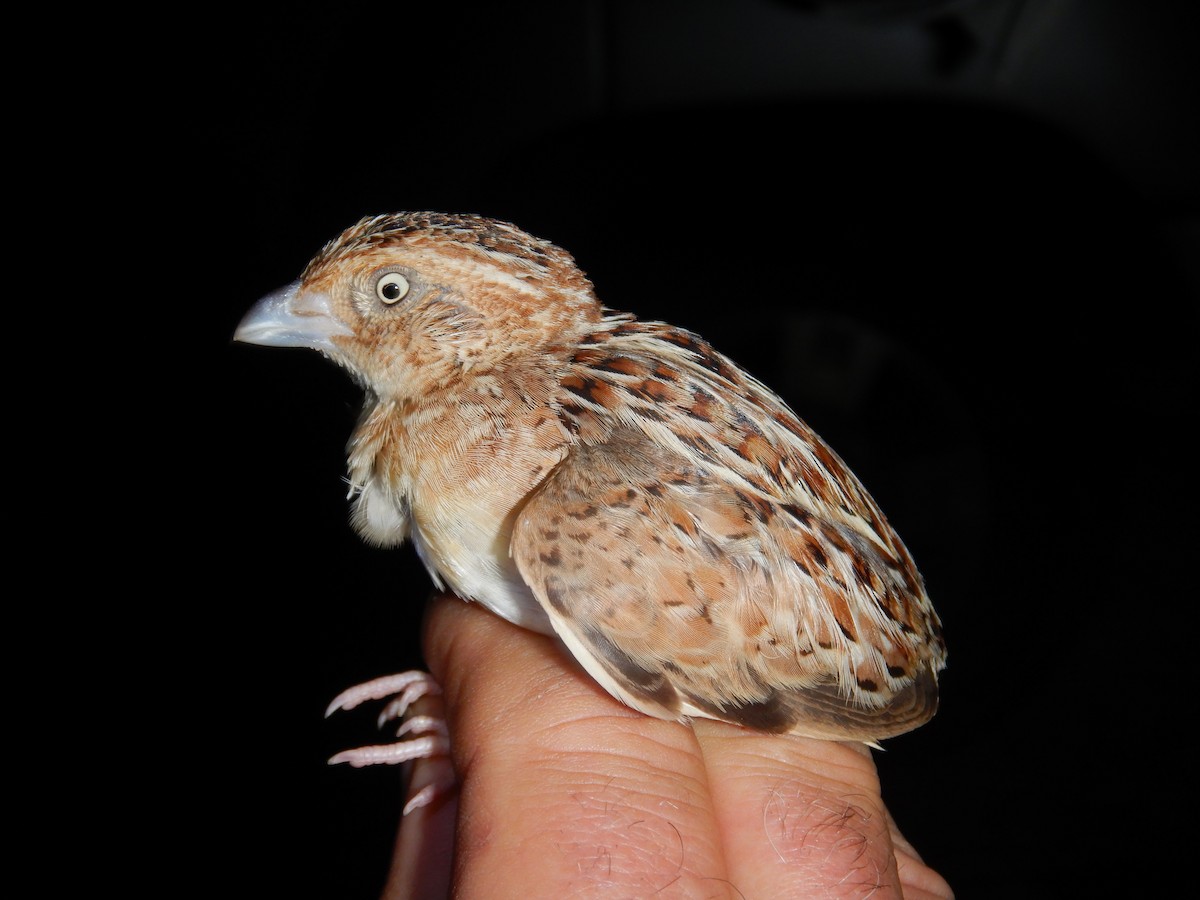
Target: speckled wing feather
[(733, 569)]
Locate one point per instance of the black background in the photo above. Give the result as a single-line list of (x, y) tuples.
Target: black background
[(959, 238)]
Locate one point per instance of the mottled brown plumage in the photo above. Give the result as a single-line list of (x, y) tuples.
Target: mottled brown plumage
[(615, 482)]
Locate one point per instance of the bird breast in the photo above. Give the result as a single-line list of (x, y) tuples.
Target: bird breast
[(452, 472)]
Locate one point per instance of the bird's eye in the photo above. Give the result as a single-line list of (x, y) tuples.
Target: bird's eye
[(391, 288)]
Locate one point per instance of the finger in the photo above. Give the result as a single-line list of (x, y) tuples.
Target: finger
[(563, 790), (421, 860), (920, 882), (799, 817)]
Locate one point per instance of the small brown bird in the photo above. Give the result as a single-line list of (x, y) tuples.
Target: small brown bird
[(617, 483)]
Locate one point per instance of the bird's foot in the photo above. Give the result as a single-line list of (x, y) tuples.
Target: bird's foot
[(428, 735)]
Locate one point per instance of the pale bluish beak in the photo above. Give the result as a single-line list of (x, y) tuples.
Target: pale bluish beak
[(292, 317)]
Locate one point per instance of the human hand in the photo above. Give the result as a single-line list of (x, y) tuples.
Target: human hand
[(563, 791)]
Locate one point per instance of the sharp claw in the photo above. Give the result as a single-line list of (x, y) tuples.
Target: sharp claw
[(428, 735), (423, 797), (392, 754), (423, 725), (378, 688), (411, 695)]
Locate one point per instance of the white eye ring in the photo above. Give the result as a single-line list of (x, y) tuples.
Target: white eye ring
[(391, 288)]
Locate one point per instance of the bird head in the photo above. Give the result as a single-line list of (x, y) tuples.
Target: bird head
[(408, 302)]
